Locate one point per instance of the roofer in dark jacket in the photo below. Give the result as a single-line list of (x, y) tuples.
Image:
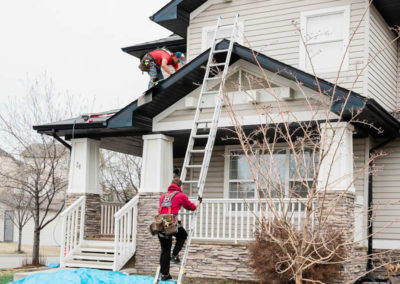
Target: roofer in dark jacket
[(178, 200), (153, 61)]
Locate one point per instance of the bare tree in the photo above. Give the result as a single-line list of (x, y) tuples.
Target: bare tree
[(41, 174), (297, 237), (21, 204), (120, 175)]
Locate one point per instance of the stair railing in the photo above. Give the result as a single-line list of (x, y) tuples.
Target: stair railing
[(125, 233), (72, 230)]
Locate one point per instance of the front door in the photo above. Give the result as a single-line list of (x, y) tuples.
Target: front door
[(8, 226)]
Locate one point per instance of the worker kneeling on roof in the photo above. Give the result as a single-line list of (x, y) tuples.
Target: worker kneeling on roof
[(170, 204), (153, 61)]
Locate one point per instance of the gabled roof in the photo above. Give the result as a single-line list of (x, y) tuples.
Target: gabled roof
[(137, 116), (174, 43), (175, 15)]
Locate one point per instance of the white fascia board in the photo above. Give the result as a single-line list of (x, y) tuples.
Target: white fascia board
[(226, 121)]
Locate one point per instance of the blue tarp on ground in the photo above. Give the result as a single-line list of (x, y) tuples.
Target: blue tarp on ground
[(86, 276)]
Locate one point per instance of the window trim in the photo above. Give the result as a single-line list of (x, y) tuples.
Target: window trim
[(208, 29), (346, 33), (227, 156)]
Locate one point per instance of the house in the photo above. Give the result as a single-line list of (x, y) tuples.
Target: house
[(157, 126), (49, 236)]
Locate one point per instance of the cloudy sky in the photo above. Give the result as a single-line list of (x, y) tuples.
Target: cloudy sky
[(78, 44)]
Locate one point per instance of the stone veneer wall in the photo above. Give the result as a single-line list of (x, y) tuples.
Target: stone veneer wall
[(339, 207), (92, 214), (213, 261)]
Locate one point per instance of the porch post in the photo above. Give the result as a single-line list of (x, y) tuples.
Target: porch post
[(157, 172), (336, 191), (84, 180)]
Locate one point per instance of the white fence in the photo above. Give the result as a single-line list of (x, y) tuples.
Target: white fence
[(125, 233), (108, 211), (236, 219), (72, 228)]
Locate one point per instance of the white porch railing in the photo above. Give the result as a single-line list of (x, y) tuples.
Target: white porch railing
[(72, 230), (125, 233), (236, 219), (108, 211)]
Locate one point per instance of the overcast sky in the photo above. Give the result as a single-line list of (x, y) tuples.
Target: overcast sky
[(78, 44)]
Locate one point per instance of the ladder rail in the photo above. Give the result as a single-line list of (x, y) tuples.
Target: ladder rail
[(197, 113), (212, 133)]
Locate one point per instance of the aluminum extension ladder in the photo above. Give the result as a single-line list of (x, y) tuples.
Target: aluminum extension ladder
[(204, 126), (199, 123)]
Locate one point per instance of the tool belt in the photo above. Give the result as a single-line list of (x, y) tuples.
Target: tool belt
[(164, 223), (144, 65)]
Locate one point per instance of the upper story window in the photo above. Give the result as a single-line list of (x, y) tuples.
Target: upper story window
[(326, 34), (224, 32)]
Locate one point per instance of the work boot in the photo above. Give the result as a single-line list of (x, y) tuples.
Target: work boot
[(166, 277), (175, 259)]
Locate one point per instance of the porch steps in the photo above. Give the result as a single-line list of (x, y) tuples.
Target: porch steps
[(93, 253)]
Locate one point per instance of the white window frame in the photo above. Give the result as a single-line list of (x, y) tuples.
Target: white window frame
[(208, 29), (229, 149), (303, 42)]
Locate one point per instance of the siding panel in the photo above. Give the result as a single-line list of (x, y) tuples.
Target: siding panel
[(382, 81), (387, 193), (270, 27)]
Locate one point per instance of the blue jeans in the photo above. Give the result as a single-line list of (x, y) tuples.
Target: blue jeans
[(154, 73)]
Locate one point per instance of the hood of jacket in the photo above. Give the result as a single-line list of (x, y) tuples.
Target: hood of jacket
[(174, 187)]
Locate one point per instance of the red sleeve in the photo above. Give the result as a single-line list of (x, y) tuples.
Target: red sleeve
[(176, 66), (186, 203)]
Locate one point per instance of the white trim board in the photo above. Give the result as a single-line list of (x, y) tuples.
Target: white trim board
[(386, 244)]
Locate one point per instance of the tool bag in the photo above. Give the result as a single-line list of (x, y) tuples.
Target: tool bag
[(165, 223), (144, 65)]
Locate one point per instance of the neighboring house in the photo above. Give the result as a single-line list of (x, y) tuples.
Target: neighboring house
[(50, 235), (157, 125)]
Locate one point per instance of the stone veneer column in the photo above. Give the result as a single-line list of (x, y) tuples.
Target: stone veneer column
[(84, 180), (157, 171), (336, 196)]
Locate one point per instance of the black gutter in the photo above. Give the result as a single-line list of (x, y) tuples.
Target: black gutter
[(55, 136)]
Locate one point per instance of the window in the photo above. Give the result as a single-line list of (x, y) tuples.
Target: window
[(325, 35), (279, 167), (224, 32)]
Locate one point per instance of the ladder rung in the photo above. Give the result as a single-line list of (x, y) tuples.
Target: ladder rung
[(210, 92), (204, 121), (201, 136), (217, 64), (226, 25), (190, 181), (214, 78), (198, 151), (221, 50), (194, 166)]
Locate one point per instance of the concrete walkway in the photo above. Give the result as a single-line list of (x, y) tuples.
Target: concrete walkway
[(16, 260)]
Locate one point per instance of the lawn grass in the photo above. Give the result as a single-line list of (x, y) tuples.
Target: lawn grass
[(6, 278)]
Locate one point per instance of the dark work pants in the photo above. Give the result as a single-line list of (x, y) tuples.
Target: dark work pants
[(166, 244)]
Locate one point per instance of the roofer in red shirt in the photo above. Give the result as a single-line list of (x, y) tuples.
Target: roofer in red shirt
[(170, 203), (153, 61)]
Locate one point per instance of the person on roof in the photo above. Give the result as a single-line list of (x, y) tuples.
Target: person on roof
[(153, 61), (177, 199)]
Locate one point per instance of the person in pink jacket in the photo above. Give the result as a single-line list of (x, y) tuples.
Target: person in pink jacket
[(178, 199)]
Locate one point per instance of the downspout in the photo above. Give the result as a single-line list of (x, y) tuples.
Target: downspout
[(370, 202)]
